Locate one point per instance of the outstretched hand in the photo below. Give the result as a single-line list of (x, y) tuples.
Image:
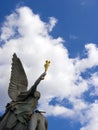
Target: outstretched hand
[(43, 76)]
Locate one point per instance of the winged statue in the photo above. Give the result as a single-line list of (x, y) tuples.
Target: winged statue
[(18, 81), (20, 110)]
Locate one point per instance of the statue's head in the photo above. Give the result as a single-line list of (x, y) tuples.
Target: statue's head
[(37, 94)]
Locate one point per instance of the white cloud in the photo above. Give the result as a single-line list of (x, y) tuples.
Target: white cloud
[(51, 24), (26, 34), (92, 118), (94, 81), (88, 62)]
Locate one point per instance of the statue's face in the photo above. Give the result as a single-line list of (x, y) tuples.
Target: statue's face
[(37, 94)]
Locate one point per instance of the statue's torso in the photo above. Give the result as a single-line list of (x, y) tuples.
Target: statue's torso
[(24, 109)]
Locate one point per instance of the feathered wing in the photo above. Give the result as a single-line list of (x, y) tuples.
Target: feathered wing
[(18, 81)]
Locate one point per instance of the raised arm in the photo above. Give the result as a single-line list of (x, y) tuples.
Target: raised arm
[(26, 94), (34, 87)]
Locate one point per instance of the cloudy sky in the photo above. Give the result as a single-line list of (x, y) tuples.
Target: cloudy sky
[(64, 32)]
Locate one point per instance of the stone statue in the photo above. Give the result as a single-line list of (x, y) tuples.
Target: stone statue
[(19, 114), (38, 122)]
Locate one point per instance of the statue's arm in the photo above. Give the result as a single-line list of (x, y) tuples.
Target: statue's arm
[(33, 88), (25, 95)]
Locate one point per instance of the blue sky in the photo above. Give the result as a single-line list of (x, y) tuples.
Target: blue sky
[(64, 31)]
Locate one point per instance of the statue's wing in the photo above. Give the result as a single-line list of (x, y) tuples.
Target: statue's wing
[(18, 81)]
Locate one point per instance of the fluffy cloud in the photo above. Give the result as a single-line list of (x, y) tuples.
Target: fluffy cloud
[(91, 59), (94, 81), (26, 34), (91, 118)]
